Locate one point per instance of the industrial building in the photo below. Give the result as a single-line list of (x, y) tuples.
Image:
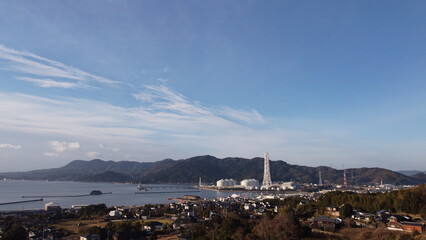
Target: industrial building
[(288, 186), (250, 183), (226, 183)]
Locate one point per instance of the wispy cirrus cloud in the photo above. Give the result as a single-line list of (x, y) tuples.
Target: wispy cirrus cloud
[(162, 98), (25, 62), (11, 146), (168, 122), (171, 113), (158, 122), (49, 83), (250, 117), (165, 101), (159, 103)]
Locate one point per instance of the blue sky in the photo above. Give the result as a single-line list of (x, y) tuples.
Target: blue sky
[(311, 82)]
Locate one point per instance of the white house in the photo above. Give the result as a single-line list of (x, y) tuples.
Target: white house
[(90, 236)]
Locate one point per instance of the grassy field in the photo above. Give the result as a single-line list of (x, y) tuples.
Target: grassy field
[(72, 226)]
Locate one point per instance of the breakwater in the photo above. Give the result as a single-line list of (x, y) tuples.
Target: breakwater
[(66, 196), (23, 201), (147, 192)]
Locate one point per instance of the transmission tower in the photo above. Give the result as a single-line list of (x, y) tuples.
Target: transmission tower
[(345, 182), (266, 173)]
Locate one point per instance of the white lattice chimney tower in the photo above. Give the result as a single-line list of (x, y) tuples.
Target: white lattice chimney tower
[(266, 173)]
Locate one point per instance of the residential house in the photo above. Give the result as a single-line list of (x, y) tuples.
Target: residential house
[(393, 224), (413, 226), (182, 223), (332, 211), (382, 215), (90, 236), (363, 216), (323, 222), (154, 226), (51, 206)]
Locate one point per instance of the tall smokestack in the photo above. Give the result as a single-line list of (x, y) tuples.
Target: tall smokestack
[(266, 173)]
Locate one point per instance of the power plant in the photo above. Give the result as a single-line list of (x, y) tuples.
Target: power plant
[(253, 184)]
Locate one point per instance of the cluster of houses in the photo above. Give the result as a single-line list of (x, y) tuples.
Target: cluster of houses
[(403, 222), (186, 214), (191, 211), (331, 220), (37, 223)]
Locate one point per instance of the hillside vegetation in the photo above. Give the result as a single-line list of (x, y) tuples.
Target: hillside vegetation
[(210, 169)]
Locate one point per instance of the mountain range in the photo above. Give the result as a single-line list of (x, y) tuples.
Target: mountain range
[(210, 169), (411, 172)]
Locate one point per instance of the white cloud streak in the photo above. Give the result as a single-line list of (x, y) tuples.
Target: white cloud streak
[(59, 147), (50, 154), (11, 146), (100, 145), (167, 121), (163, 120), (172, 115), (94, 154), (24, 62), (170, 103), (49, 83)]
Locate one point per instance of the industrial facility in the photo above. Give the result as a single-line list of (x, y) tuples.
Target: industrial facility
[(250, 183), (253, 184), (226, 183)]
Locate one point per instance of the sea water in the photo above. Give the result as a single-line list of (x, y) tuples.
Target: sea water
[(121, 194)]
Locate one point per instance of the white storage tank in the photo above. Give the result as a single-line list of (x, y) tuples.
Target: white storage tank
[(250, 183), (231, 182), (288, 186), (221, 183), (226, 183)]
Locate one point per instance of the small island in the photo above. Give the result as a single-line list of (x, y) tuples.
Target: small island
[(95, 192)]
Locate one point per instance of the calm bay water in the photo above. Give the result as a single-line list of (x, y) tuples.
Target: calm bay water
[(121, 194)]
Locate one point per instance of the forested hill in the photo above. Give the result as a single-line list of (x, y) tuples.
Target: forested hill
[(210, 169), (411, 172)]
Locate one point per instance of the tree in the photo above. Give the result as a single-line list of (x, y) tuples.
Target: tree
[(93, 210), (306, 210), (198, 232), (284, 226), (346, 211), (406, 237), (15, 232)]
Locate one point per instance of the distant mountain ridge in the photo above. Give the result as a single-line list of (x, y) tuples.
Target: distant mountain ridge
[(80, 170), (210, 169), (411, 172)]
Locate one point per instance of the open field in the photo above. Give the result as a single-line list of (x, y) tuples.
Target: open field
[(73, 226)]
